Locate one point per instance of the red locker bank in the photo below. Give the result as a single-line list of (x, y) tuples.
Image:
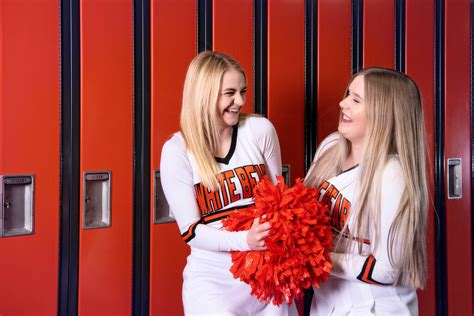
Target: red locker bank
[(91, 90)]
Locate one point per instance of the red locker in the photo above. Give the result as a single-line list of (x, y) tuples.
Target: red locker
[(30, 144), (419, 65), (286, 80), (334, 62), (457, 145), (233, 29), (379, 33), (173, 46), (105, 253)]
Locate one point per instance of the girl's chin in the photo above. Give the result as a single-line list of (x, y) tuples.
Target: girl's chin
[(231, 118)]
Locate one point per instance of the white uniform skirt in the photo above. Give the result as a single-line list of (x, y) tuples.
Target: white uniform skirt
[(210, 289)]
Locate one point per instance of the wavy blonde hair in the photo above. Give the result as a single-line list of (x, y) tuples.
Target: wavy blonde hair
[(395, 126), (199, 113)]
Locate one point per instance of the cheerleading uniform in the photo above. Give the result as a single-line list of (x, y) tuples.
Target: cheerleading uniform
[(362, 284), (209, 287)]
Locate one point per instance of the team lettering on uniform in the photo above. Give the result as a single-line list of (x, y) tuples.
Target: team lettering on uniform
[(340, 208), (231, 182), (329, 195)]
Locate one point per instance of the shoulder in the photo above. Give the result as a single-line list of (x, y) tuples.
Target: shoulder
[(257, 124), (175, 145), (393, 173), (327, 143), (260, 129), (174, 155)]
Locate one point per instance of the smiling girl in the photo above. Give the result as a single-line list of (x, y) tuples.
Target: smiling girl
[(371, 174), (208, 170)]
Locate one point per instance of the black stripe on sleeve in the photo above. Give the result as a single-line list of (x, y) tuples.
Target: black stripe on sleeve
[(369, 266)]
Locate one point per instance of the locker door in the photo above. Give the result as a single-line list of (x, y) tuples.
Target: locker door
[(233, 35), (286, 106), (334, 62), (419, 65), (457, 145), (173, 46), (378, 33), (29, 145), (106, 158)]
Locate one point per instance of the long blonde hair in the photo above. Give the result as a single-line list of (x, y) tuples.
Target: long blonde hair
[(395, 126), (199, 114)]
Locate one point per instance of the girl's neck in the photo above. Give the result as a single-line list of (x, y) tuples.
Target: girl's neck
[(226, 133), (224, 142), (354, 156)]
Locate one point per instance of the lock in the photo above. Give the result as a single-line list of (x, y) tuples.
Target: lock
[(17, 205), (96, 211)]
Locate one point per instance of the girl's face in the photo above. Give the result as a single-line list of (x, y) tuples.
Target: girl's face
[(353, 120), (231, 98)]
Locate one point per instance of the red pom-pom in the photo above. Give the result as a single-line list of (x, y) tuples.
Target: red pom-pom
[(297, 254)]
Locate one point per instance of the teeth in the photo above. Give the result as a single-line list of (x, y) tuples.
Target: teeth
[(234, 110), (345, 117)]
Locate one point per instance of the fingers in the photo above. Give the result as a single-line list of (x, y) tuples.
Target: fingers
[(260, 227), (260, 248), (260, 245), (257, 234)]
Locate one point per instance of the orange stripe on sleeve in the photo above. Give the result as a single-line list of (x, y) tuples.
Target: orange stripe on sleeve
[(367, 270), (191, 232)]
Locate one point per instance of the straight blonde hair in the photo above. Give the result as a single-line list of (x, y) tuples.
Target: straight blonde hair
[(199, 113), (395, 127)]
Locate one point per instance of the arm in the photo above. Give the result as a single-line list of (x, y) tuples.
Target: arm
[(267, 140), (376, 268), (178, 186)]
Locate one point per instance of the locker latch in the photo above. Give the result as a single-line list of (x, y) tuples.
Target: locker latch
[(161, 209), (96, 211), (454, 178), (17, 205)]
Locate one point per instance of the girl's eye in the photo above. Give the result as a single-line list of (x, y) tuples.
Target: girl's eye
[(355, 100)]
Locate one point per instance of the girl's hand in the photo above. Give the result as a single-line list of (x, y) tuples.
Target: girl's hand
[(257, 234)]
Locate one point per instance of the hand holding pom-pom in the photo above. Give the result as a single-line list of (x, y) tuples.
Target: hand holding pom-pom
[(257, 234), (297, 246)]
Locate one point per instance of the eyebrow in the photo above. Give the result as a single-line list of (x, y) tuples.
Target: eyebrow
[(232, 89)]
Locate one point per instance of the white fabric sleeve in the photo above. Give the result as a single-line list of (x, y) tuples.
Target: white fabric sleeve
[(327, 143), (267, 141), (376, 267), (177, 181)]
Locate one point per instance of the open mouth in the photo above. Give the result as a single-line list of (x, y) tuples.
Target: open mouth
[(346, 119), (232, 110)]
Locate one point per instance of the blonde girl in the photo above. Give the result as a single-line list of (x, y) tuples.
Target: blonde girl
[(371, 173), (208, 170)]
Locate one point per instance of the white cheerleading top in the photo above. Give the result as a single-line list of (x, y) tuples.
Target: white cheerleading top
[(209, 288), (362, 284)]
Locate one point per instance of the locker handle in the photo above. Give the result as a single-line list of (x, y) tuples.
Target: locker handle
[(454, 178), (96, 211), (161, 209), (16, 205)]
